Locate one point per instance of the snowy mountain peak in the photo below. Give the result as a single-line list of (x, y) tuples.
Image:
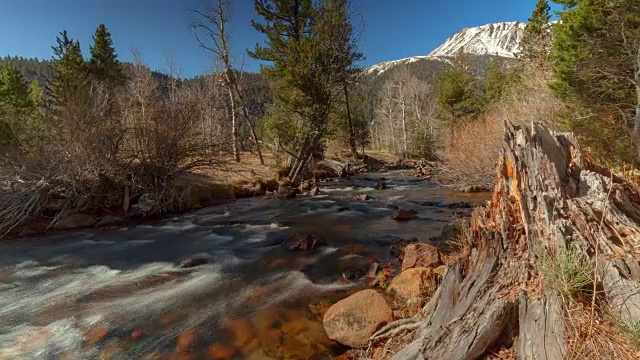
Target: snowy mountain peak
[(384, 66), (501, 39)]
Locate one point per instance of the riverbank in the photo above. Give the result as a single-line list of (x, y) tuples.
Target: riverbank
[(203, 187)]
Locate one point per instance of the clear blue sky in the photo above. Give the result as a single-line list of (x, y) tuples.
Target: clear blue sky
[(393, 29)]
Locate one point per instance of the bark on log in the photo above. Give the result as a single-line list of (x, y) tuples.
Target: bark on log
[(547, 196)]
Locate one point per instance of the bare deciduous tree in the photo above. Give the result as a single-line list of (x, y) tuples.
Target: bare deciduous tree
[(210, 31)]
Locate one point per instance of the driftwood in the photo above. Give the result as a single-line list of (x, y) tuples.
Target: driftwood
[(548, 196)]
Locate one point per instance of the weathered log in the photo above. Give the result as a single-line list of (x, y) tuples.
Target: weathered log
[(547, 196)]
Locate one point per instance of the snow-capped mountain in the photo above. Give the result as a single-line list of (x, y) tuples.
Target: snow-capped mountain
[(500, 39), (384, 66)]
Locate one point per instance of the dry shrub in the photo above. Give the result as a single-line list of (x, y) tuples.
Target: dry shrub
[(105, 147), (473, 146)]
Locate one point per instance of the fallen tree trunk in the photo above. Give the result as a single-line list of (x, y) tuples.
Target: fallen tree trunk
[(548, 199)]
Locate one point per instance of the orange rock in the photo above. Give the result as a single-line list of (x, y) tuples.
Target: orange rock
[(187, 339), (294, 327), (221, 352), (136, 334), (353, 320), (96, 333), (277, 263), (169, 319), (293, 347), (241, 329), (181, 356), (251, 347)]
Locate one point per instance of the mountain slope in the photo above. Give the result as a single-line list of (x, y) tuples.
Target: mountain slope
[(500, 39)]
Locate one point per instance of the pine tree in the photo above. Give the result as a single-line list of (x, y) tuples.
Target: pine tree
[(596, 70), (458, 92), (104, 64), (536, 39), (70, 73), (13, 90), (16, 108), (309, 48)]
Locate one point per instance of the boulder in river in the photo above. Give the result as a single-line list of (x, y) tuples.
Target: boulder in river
[(193, 262), (287, 192), (308, 242), (360, 197), (353, 320), (381, 184), (404, 215), (472, 189), (421, 255), (109, 220), (76, 221), (413, 283)]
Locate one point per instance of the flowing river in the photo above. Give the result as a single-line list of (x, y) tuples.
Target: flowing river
[(118, 294)]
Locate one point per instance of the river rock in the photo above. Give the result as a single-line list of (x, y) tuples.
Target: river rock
[(353, 320), (373, 270), (404, 215), (76, 221), (360, 197), (381, 184), (472, 189), (306, 242), (109, 221), (421, 255), (315, 191), (413, 283), (193, 262), (287, 192), (398, 245)]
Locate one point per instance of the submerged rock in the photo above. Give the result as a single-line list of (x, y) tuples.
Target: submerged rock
[(109, 221), (353, 320), (193, 262), (472, 189), (421, 255), (404, 215), (287, 192), (307, 242), (76, 221), (360, 197)]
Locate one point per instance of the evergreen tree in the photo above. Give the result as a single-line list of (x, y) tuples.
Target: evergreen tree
[(15, 105), (13, 90), (104, 64), (536, 39), (70, 72), (596, 69), (309, 48), (458, 92)]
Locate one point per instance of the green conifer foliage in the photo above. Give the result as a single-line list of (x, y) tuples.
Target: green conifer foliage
[(104, 64), (536, 39), (458, 92), (70, 71), (596, 69)]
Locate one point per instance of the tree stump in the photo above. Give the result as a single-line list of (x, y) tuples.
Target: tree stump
[(547, 196)]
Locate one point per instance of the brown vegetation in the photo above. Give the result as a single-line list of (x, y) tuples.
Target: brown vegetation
[(552, 266), (473, 145)]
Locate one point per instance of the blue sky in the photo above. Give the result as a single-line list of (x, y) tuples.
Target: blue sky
[(393, 29)]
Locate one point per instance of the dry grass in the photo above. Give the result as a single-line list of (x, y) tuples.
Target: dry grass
[(473, 146), (596, 335)]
